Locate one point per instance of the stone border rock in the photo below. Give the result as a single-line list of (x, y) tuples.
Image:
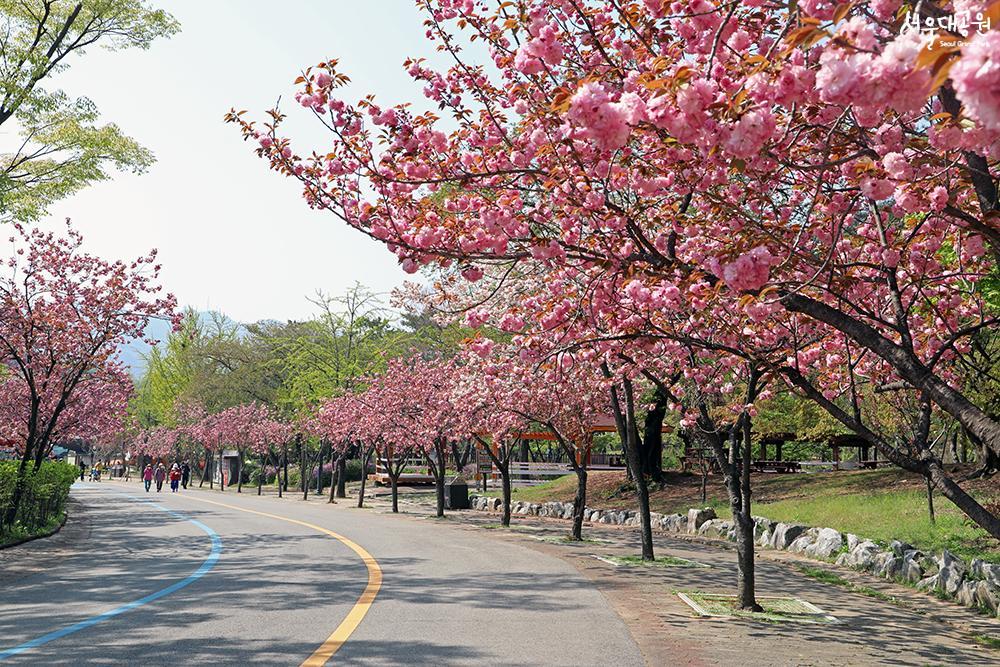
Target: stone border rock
[(973, 584)]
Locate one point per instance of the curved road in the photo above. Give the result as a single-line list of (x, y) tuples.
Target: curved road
[(279, 589)]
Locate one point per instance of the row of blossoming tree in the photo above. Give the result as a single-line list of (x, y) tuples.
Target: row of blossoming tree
[(718, 198), (249, 429), (63, 315)]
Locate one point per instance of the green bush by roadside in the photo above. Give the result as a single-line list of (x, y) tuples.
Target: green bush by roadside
[(43, 501)]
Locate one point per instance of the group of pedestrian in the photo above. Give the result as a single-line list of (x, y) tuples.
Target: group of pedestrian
[(179, 476)]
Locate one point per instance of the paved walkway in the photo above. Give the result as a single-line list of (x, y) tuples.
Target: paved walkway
[(449, 596), (870, 631), (456, 591)]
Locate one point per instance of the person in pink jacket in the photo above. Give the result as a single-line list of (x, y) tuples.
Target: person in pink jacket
[(159, 474), (147, 477)]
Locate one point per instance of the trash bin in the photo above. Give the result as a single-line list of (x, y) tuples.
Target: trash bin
[(456, 494)]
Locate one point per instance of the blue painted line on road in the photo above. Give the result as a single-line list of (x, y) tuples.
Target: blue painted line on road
[(207, 565)]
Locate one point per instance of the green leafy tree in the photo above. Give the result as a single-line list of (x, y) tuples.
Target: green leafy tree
[(61, 146)]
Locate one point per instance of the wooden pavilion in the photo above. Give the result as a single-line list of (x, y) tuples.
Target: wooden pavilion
[(867, 452)]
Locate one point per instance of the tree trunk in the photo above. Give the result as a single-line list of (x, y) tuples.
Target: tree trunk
[(737, 478), (437, 467), (635, 462), (284, 464), (502, 464), (746, 580), (365, 457), (652, 438), (204, 470), (956, 494), (260, 476), (334, 473), (629, 433), (342, 477), (319, 470), (745, 597), (222, 473), (461, 457), (394, 482), (303, 474), (579, 502), (930, 500), (239, 482), (277, 474), (505, 485), (439, 488)]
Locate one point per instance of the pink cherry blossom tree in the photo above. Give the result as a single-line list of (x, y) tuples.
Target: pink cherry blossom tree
[(768, 169), (63, 314), (338, 422), (389, 416), (268, 433), (491, 391)]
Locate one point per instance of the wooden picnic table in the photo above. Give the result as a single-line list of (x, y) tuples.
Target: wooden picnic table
[(776, 466)]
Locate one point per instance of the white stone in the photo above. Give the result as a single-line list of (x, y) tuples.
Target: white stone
[(951, 574), (911, 570), (966, 594), (899, 548), (861, 556), (828, 542), (785, 534), (988, 595), (696, 517), (715, 528), (803, 541)]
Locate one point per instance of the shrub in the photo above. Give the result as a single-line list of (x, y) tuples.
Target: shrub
[(353, 470), (44, 497)]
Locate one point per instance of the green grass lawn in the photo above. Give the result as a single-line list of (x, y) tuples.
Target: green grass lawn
[(888, 515), (775, 609), (554, 489), (660, 561), (882, 505)]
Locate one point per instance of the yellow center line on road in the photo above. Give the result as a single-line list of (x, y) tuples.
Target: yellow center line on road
[(354, 617)]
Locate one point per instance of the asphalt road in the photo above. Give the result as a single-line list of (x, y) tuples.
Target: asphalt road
[(183, 581)]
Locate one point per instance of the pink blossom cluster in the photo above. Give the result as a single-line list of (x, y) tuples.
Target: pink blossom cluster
[(607, 123), (719, 184)]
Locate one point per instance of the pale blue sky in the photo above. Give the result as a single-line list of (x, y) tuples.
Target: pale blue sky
[(233, 235)]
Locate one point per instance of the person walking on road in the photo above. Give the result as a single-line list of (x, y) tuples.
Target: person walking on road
[(147, 476), (83, 469), (159, 475), (185, 474), (175, 478)]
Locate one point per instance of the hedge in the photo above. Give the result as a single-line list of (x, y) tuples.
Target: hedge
[(44, 497)]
